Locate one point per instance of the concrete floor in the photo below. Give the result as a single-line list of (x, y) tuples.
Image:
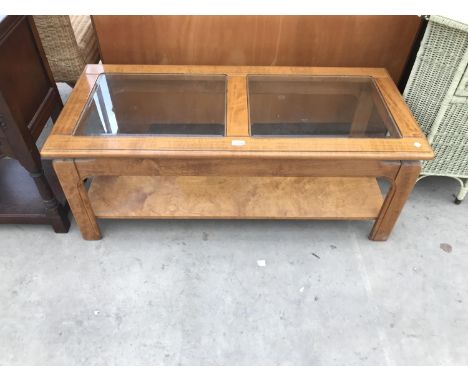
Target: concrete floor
[(241, 292)]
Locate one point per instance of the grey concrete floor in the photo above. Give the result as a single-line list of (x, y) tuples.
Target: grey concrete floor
[(241, 292)]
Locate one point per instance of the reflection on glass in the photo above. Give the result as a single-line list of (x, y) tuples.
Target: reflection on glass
[(341, 106), (155, 104)]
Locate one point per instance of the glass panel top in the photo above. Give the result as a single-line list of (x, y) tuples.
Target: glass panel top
[(155, 104), (314, 106)]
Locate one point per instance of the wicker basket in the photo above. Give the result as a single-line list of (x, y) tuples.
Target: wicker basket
[(437, 94)]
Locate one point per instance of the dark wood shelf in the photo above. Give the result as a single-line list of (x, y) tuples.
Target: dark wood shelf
[(19, 198)]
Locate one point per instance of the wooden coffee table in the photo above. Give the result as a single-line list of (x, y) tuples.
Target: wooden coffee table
[(235, 143)]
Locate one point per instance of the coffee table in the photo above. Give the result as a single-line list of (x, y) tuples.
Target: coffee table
[(214, 142)]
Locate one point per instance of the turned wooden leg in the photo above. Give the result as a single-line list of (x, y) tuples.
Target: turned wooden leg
[(396, 198), (56, 213), (77, 197)]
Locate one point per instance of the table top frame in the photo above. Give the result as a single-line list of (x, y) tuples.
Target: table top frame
[(237, 143)]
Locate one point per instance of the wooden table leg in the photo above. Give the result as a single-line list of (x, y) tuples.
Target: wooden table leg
[(401, 188), (77, 197), (57, 214)]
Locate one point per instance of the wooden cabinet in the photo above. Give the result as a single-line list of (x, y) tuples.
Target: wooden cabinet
[(29, 191)]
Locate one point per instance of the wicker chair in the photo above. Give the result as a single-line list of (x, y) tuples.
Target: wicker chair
[(437, 94), (69, 43)]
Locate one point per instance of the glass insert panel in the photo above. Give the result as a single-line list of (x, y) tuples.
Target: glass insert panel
[(155, 104), (314, 106)]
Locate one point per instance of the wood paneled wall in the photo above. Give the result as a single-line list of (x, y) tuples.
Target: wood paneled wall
[(354, 41)]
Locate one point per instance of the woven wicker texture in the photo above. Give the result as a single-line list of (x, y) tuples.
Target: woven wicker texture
[(69, 43), (437, 94), (85, 38), (439, 57), (450, 144)]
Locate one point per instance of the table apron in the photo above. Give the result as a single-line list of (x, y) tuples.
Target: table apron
[(236, 167)]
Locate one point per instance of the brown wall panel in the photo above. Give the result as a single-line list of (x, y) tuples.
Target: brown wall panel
[(355, 41)]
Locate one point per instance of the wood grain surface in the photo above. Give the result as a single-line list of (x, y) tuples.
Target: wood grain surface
[(411, 146), (234, 197), (238, 176), (357, 41)]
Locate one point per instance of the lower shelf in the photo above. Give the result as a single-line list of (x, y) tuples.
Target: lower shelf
[(216, 197), (20, 201)]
